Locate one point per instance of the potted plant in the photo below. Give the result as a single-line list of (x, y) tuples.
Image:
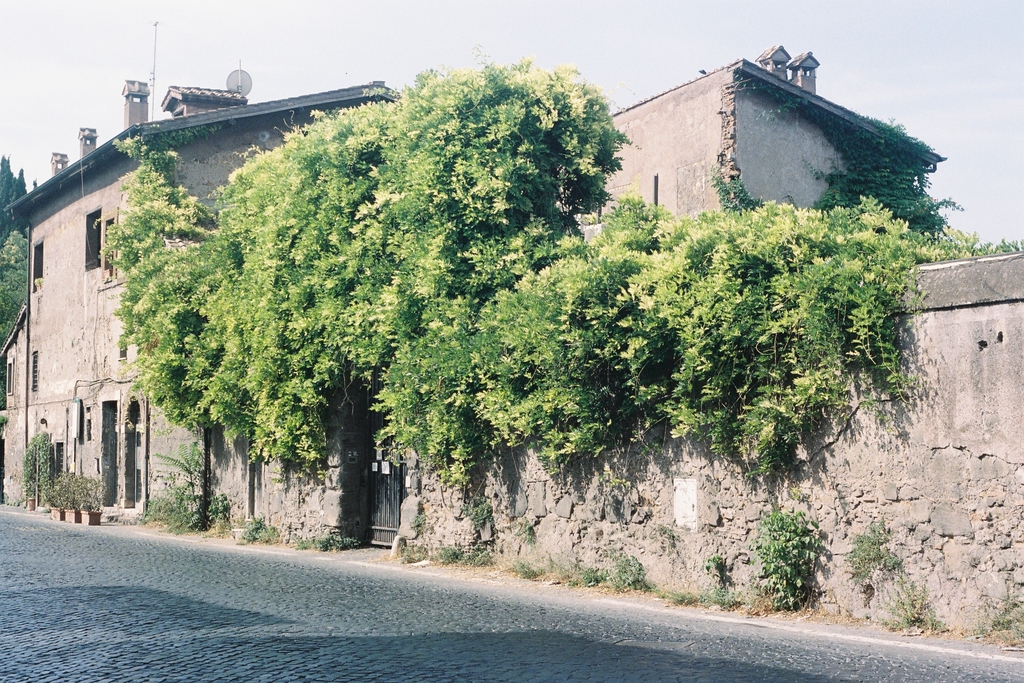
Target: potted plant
[(92, 501), (74, 512), (57, 496)]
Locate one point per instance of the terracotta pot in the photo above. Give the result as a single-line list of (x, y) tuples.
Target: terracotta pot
[(93, 518), (57, 514), (75, 516), (30, 504), (67, 515)]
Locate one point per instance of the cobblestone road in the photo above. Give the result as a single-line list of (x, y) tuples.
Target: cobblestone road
[(117, 604)]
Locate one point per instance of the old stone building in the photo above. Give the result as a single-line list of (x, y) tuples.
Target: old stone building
[(731, 123), (69, 378), (67, 374)]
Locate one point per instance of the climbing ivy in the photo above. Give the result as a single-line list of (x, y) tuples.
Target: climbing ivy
[(880, 160), (434, 242)]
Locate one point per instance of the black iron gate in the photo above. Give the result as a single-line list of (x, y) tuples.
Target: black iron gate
[(387, 491), (386, 479)]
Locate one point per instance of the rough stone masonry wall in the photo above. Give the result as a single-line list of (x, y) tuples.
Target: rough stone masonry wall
[(945, 470)]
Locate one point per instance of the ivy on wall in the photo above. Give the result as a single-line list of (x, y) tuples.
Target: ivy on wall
[(881, 161), (435, 241)]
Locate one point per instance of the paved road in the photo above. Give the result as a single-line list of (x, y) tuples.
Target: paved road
[(118, 604)]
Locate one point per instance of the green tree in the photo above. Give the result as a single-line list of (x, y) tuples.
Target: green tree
[(12, 188)]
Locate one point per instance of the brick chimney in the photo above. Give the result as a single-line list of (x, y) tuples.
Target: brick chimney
[(58, 162), (774, 60), (801, 71), (136, 103), (86, 140)]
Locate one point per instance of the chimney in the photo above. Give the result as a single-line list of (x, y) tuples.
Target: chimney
[(86, 140), (801, 71), (774, 60), (58, 162), (136, 103)]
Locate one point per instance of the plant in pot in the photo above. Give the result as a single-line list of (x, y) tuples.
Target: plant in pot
[(91, 501), (57, 496), (76, 490)]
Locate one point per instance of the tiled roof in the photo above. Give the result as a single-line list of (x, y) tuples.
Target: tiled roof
[(770, 52), (187, 93)]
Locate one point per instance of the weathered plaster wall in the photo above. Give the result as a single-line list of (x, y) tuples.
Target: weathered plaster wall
[(945, 470), (781, 155), (678, 137)]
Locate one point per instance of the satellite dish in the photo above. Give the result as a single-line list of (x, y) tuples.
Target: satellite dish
[(240, 81)]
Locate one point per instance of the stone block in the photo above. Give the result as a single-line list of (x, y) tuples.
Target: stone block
[(332, 508), (908, 493), (710, 514), (1020, 476), (535, 499), (921, 511), (1018, 577), (410, 508), (949, 521), (993, 585), (563, 508), (520, 503), (684, 503), (890, 492)]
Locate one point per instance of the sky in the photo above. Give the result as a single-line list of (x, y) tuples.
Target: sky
[(950, 72)]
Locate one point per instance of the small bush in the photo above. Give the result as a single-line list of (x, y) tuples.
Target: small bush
[(525, 531), (477, 556), (328, 543), (685, 598), (629, 574), (479, 512), (870, 553), (908, 604), (412, 554), (525, 570), (219, 509), (788, 546), (257, 531), (590, 577), (419, 523), (714, 567), (1007, 624)]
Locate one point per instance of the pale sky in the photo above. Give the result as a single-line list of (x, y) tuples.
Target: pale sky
[(948, 71)]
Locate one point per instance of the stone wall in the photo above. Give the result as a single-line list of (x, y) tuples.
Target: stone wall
[(945, 470)]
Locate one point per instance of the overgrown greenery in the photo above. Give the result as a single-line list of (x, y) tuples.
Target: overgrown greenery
[(479, 511), (180, 506), (1007, 623), (880, 161), (871, 553), (37, 467), (328, 543), (476, 556), (787, 545), (258, 531), (435, 240), (909, 607)]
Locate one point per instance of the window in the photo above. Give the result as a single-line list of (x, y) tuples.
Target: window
[(37, 267), (92, 240), (122, 354), (35, 371), (109, 273), (58, 456), (88, 423), (10, 378)]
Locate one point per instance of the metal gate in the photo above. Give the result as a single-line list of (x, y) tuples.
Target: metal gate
[(387, 491)]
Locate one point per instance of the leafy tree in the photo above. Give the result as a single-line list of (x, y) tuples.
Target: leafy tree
[(12, 188)]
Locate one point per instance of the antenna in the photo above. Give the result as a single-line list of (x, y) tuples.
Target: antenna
[(240, 81), (152, 77)]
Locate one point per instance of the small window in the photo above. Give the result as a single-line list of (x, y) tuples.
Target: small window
[(109, 272), (92, 240), (88, 423), (37, 267), (35, 371), (10, 378), (122, 354), (58, 456)]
